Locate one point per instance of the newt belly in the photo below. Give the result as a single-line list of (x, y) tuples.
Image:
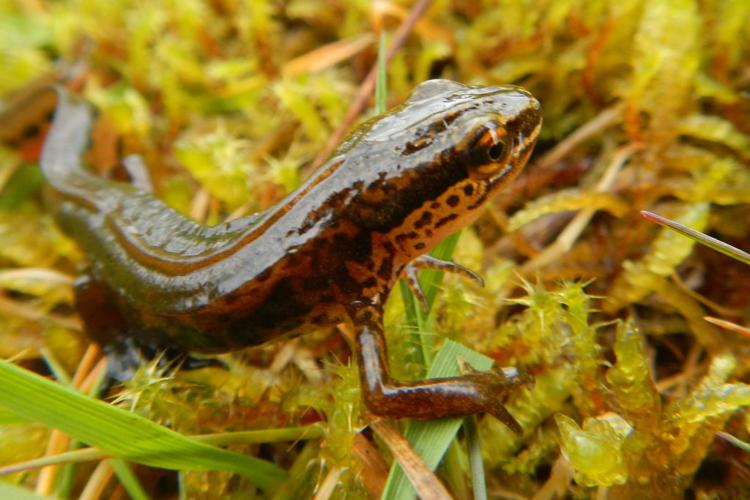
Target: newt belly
[(329, 252)]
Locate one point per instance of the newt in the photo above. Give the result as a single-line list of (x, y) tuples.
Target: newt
[(329, 252)]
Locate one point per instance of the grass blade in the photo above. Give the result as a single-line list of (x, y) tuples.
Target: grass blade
[(128, 480), (66, 457), (118, 432), (296, 433), (12, 492), (381, 81), (701, 238), (476, 464), (417, 320), (430, 439)]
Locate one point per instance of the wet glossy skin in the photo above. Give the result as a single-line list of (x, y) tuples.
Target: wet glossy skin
[(330, 252)]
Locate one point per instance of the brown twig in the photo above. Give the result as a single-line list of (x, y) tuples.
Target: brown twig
[(374, 469), (589, 129), (575, 227), (421, 477), (88, 383), (98, 481), (728, 325), (58, 441), (368, 85), (31, 313)]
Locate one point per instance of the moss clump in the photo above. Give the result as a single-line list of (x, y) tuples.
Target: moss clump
[(645, 106)]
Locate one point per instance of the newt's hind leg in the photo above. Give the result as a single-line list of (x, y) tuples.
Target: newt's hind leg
[(96, 305), (126, 345), (477, 392), (106, 325)]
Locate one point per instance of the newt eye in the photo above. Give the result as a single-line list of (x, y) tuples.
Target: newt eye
[(496, 152), (488, 154)]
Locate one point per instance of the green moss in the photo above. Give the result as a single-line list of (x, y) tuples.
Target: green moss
[(630, 382), (596, 450)]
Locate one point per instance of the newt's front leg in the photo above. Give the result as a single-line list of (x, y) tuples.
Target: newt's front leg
[(476, 392)]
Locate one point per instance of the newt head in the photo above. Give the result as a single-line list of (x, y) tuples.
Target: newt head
[(428, 166)]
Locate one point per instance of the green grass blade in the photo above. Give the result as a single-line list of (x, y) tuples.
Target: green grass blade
[(118, 432), (128, 480), (417, 319), (11, 492), (430, 439), (7, 417), (432, 279), (66, 457), (479, 486), (297, 433), (381, 82), (452, 470), (66, 477), (59, 372), (701, 238)]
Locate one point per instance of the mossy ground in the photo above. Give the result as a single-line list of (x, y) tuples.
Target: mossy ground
[(646, 107)]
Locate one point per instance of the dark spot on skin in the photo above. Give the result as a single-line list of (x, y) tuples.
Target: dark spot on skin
[(386, 269), (31, 131), (282, 308), (448, 157), (468, 190), (293, 259), (231, 299), (452, 200), (369, 282), (389, 247), (425, 219), (419, 246), (435, 205), (414, 146), (446, 220), (324, 211), (450, 118), (370, 265), (314, 283), (264, 275), (403, 237), (320, 319), (366, 315), (478, 201), (339, 240)]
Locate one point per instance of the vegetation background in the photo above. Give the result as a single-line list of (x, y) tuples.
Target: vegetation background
[(232, 103)]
